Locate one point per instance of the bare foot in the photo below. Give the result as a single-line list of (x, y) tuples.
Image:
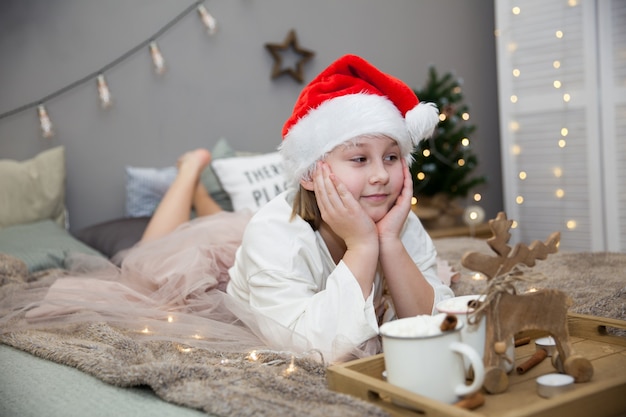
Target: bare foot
[(194, 161)]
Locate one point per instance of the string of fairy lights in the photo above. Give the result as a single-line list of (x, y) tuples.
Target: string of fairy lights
[(104, 93), (556, 62)]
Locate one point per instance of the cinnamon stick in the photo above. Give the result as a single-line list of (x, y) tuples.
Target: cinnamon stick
[(537, 357), (522, 341), (448, 323), (471, 401)]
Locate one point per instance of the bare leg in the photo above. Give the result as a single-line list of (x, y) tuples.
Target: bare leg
[(203, 202), (175, 207)]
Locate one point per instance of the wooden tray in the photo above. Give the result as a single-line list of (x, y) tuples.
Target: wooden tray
[(603, 396)]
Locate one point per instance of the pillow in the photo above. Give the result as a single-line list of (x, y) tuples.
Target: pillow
[(251, 181), (41, 245), (34, 189), (145, 187), (112, 236)]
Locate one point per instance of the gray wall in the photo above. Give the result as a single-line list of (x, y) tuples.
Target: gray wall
[(216, 86)]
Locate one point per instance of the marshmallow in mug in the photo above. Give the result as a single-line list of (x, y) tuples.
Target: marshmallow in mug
[(418, 326), (458, 305)]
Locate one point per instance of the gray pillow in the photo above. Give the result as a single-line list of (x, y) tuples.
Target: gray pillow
[(41, 245), (112, 236)]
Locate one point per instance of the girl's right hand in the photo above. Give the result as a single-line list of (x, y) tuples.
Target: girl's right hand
[(341, 211)]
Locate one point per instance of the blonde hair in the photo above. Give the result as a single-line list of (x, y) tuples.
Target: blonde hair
[(305, 206)]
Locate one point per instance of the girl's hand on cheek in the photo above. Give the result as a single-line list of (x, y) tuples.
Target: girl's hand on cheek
[(339, 209), (391, 225)]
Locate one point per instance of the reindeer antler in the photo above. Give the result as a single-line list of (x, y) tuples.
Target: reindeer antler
[(507, 257)]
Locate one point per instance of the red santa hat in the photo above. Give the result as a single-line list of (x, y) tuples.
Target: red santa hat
[(348, 99)]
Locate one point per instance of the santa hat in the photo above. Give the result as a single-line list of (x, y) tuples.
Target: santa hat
[(348, 99)]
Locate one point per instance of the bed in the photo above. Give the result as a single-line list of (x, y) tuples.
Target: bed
[(57, 375)]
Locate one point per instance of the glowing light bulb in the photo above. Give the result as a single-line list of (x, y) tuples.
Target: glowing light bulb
[(461, 162), (558, 172), (157, 58), (44, 122), (566, 97), (559, 34), (477, 276), (522, 175), (426, 153), (103, 92), (291, 368), (564, 131), (465, 142), (556, 84), (513, 98), (477, 197), (571, 224), (420, 176), (465, 116), (516, 72), (473, 215), (442, 117), (209, 21), (519, 199), (560, 193)]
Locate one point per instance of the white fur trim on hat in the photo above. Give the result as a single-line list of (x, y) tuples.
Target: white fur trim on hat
[(343, 118)]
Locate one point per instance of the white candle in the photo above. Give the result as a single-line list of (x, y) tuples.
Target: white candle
[(550, 385)]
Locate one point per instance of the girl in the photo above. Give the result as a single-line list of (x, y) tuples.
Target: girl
[(320, 266), (342, 252)]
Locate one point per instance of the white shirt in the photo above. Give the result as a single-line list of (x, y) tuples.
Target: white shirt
[(284, 270)]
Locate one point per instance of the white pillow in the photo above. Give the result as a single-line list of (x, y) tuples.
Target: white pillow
[(251, 181)]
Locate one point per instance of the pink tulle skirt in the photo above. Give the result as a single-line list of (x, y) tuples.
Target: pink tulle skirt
[(171, 288)]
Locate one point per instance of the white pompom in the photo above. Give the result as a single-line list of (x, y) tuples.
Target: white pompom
[(421, 121)]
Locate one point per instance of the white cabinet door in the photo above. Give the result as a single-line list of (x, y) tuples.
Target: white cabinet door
[(561, 79)]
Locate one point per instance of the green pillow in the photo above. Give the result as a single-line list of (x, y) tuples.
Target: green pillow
[(34, 189), (41, 245)]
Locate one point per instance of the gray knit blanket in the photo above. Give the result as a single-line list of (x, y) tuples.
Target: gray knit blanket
[(595, 281), (225, 384), (219, 383)]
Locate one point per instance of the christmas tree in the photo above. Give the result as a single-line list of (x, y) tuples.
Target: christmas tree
[(444, 162)]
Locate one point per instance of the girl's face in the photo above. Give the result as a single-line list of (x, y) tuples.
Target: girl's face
[(371, 168)]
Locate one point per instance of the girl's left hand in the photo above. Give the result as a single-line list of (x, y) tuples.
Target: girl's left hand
[(391, 225)]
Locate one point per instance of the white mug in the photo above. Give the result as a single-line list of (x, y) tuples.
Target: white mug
[(432, 364), (473, 334)]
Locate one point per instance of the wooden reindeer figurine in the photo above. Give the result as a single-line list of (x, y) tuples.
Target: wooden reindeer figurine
[(508, 313)]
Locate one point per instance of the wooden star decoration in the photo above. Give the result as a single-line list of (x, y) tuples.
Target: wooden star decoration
[(277, 50)]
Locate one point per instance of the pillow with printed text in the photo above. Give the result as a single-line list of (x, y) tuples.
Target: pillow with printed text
[(251, 181)]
